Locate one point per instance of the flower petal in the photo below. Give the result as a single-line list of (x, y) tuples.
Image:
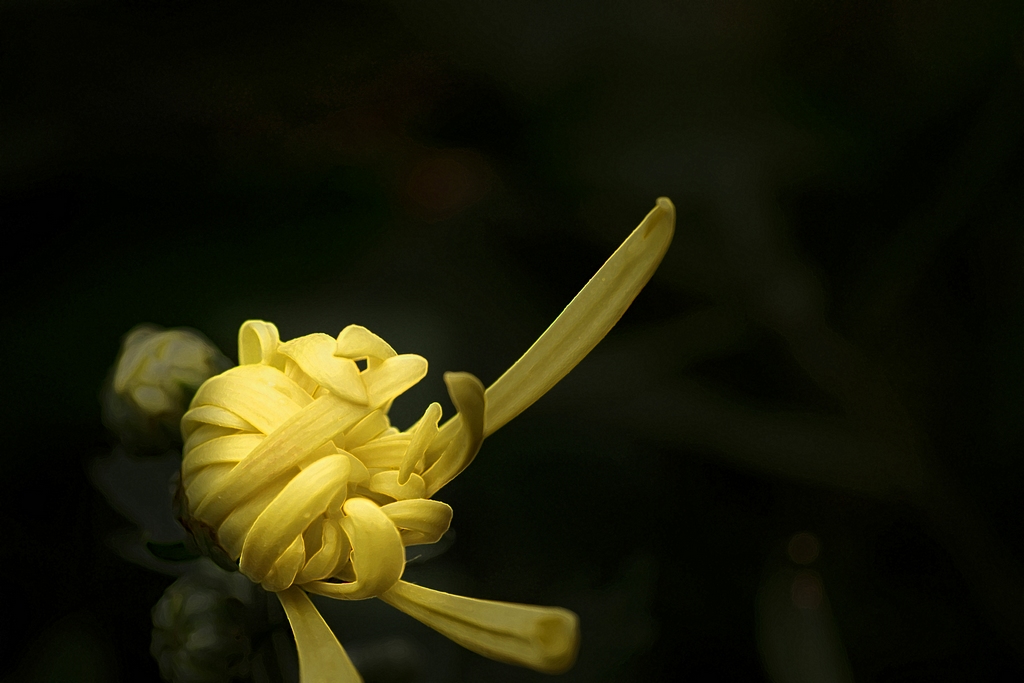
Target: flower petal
[(542, 638), (314, 353), (229, 449), (420, 521), (305, 497), (333, 548), (257, 343), (233, 530), (381, 453), (378, 556), (386, 482), (370, 426), (201, 416), (251, 392), (294, 440), (585, 321), (284, 570), (393, 377), (356, 342), (321, 657), (462, 435), (426, 430)]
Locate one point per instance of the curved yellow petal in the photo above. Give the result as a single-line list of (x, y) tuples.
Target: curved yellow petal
[(386, 482), (302, 499), (220, 450), (295, 439), (283, 572), (202, 416), (314, 353), (201, 432), (355, 342), (381, 453), (231, 533), (394, 376), (325, 560), (462, 436), (249, 391), (378, 556), (370, 426), (426, 430), (257, 343), (421, 520), (321, 657), (542, 638), (585, 321)]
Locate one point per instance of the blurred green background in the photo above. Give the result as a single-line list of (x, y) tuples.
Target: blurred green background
[(834, 344)]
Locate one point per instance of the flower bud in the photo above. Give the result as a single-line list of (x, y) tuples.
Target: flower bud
[(201, 627), (156, 374)]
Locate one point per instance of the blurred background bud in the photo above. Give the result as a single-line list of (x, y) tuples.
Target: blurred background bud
[(203, 626), (156, 374)]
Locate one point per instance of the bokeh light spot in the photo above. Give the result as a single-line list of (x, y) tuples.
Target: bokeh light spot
[(803, 548)]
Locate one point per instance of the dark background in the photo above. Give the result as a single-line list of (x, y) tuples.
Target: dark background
[(834, 343)]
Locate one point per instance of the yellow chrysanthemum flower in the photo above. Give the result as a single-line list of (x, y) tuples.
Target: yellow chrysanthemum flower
[(292, 469)]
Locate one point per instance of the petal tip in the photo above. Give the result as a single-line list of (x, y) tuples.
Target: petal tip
[(664, 212), (558, 640)]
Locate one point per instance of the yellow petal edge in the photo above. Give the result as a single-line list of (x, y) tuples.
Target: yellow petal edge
[(292, 469)]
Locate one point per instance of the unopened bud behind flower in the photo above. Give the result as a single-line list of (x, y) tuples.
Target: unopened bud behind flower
[(201, 627), (156, 374)]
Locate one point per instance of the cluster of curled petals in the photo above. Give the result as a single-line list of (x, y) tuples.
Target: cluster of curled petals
[(293, 471), (290, 460)]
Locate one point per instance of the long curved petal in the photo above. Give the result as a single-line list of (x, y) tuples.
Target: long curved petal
[(585, 321), (321, 657)]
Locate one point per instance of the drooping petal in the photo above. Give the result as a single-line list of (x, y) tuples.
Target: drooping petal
[(321, 657), (542, 638), (585, 321)]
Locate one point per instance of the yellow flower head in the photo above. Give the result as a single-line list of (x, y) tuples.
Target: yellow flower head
[(292, 469)]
